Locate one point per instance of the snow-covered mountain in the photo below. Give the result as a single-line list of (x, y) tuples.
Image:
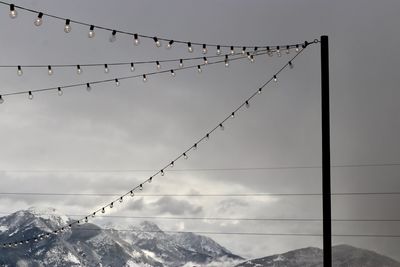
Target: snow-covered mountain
[(343, 256), (89, 245)]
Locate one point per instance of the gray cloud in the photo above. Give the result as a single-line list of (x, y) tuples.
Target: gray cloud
[(176, 206)]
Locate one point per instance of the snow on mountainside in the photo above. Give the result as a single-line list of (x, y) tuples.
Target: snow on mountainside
[(89, 245), (343, 256)]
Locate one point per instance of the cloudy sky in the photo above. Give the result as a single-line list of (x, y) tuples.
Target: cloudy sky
[(111, 139)]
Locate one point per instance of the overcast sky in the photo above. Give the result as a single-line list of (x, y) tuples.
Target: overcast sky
[(55, 144)]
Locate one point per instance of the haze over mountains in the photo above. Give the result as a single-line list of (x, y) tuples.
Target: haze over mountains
[(146, 245)]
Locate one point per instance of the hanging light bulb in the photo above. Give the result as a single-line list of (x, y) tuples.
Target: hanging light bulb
[(190, 48), (251, 58), (269, 53), (103, 210), (136, 39), (1, 100), (140, 187), (19, 71), (91, 33), (78, 69), (49, 70), (208, 136), (113, 36), (248, 55), (13, 12), (185, 156), (150, 179), (232, 50), (226, 61), (290, 65), (132, 67), (278, 51), (221, 127), (117, 83), (158, 43), (67, 27), (255, 50), (171, 164), (106, 69), (247, 104), (259, 91), (86, 219), (195, 146), (199, 69), (162, 172), (181, 63), (297, 48), (172, 73), (59, 91), (88, 87), (93, 214), (233, 115), (39, 20), (243, 50), (111, 205), (287, 49), (275, 78), (132, 194), (218, 50), (30, 96), (205, 60), (204, 49), (144, 78), (158, 65), (121, 199), (169, 45)]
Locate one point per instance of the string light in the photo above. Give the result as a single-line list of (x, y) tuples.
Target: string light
[(88, 87), (132, 67), (205, 60), (290, 65), (158, 65), (13, 12), (39, 20), (247, 104), (19, 71), (287, 50), (259, 91), (243, 50), (172, 73), (106, 70), (169, 45), (181, 63), (251, 58), (297, 48), (221, 126), (67, 27), (49, 70), (121, 199), (185, 156), (113, 36), (190, 48), (207, 136), (226, 61), (136, 39), (218, 50), (132, 194), (162, 172), (117, 83), (30, 95), (111, 205), (171, 164), (103, 210), (199, 70), (59, 91), (140, 187), (233, 115), (91, 33), (93, 214), (78, 69), (150, 179), (144, 78), (204, 49), (1, 100), (158, 43), (195, 146), (232, 50), (275, 78), (278, 51)]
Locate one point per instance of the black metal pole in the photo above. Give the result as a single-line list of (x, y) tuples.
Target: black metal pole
[(326, 153)]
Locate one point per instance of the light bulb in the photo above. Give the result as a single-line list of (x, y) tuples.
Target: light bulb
[(88, 87), (185, 156), (117, 83), (158, 43), (39, 20), (232, 50), (113, 36), (244, 50), (121, 199), (172, 73), (86, 219), (247, 104), (67, 27), (169, 45), (218, 50), (49, 70), (190, 48), (158, 65), (162, 173), (30, 96), (259, 91), (278, 51), (275, 78), (204, 49), (103, 210), (221, 126), (290, 65), (251, 58), (208, 136), (233, 115), (1, 100), (144, 78), (93, 214), (171, 164), (181, 63), (91, 33), (226, 61), (269, 51), (195, 146), (199, 69), (132, 193), (13, 12), (111, 205), (132, 67), (19, 71), (297, 48), (59, 91), (287, 50), (136, 39), (78, 69), (106, 70), (205, 60), (150, 179), (255, 50), (140, 187)]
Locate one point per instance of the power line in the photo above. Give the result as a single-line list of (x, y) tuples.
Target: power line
[(278, 49), (184, 155)]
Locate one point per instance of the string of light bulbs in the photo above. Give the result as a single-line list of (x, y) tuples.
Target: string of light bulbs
[(144, 76), (13, 13), (184, 155)]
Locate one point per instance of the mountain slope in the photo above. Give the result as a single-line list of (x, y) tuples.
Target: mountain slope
[(343, 256), (89, 245)]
